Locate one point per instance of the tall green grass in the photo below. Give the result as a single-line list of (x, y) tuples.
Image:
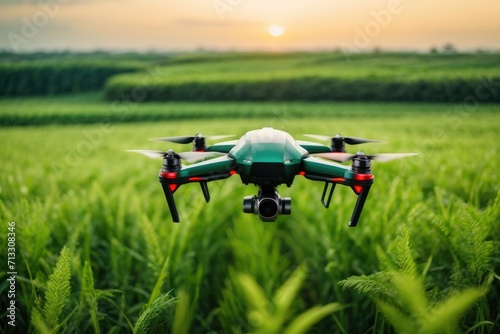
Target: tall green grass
[(425, 253)]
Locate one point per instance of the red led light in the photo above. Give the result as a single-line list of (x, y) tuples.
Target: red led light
[(173, 187), (168, 175), (357, 189), (195, 179), (363, 177), (338, 179), (302, 173), (233, 172)]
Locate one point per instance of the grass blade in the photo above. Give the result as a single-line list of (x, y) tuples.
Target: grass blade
[(151, 314), (307, 319), (447, 313), (254, 294), (58, 289), (89, 295), (183, 314), (285, 295)]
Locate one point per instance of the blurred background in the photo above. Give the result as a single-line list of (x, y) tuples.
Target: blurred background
[(223, 25), (89, 233)]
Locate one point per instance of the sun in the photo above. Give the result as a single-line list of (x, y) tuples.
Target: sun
[(275, 30)]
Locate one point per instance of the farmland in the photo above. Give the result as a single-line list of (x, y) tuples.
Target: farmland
[(312, 77), (301, 76), (96, 250)]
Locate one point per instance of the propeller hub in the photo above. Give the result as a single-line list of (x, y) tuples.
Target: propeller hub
[(199, 143), (171, 161), (361, 164), (338, 144)]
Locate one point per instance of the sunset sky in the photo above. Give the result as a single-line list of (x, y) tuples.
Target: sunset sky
[(165, 25)]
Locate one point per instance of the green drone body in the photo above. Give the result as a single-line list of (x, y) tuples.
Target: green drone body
[(269, 158)]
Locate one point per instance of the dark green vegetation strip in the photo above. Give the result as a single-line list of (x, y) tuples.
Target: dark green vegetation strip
[(89, 108), (313, 89), (54, 77), (328, 76), (317, 77)]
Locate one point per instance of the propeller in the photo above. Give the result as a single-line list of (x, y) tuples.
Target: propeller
[(189, 139), (187, 156), (382, 157), (347, 140)]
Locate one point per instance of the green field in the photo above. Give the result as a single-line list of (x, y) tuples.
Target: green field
[(91, 108), (330, 76), (407, 66), (96, 250), (238, 77)]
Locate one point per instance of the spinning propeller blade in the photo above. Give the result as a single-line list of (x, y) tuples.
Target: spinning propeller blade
[(339, 157), (197, 156), (189, 139), (382, 157), (318, 137), (356, 140), (347, 140), (150, 153), (187, 156)]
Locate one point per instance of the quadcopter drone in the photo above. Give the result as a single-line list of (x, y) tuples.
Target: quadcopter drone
[(269, 158)]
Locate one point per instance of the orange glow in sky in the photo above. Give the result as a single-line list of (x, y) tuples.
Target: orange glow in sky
[(276, 30), (246, 24)]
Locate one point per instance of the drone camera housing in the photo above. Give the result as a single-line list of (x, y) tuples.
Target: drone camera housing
[(267, 205)]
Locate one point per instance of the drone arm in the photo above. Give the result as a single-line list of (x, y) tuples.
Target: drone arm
[(221, 165), (312, 147), (321, 170), (331, 173), (202, 172), (223, 147)]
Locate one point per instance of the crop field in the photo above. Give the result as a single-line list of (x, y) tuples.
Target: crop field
[(311, 77), (96, 250), (301, 76)]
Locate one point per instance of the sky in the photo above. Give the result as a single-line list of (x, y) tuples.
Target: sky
[(184, 25)]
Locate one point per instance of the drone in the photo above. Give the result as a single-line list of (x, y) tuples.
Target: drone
[(268, 158)]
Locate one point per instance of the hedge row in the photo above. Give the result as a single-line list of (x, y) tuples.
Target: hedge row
[(22, 79), (312, 89)]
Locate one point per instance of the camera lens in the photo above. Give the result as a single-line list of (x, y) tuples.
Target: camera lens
[(268, 208)]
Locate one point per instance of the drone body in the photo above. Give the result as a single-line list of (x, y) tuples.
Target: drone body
[(269, 158)]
